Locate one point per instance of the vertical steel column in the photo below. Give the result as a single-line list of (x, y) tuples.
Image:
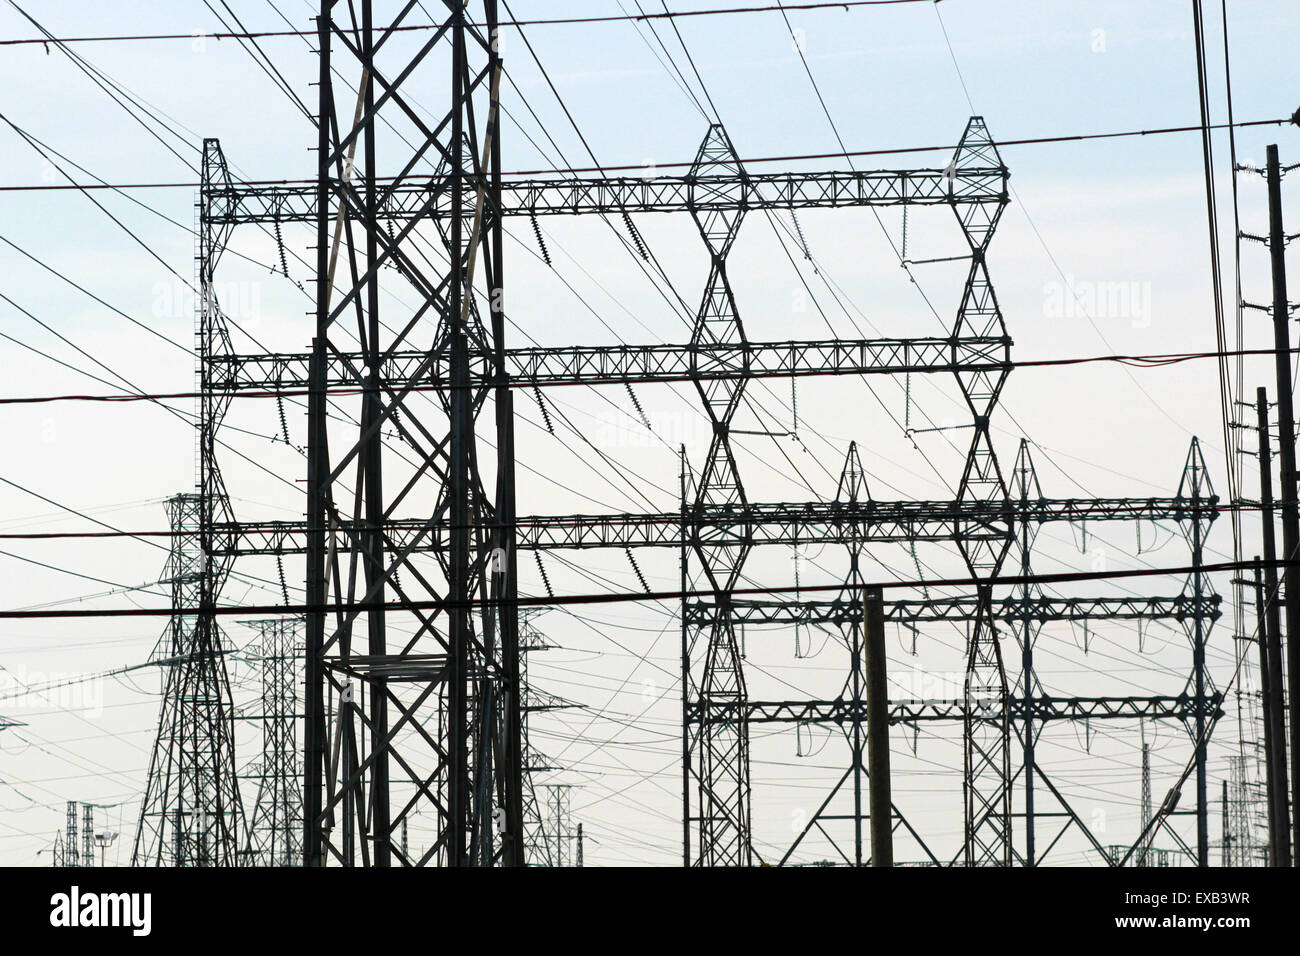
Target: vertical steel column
[(1195, 488), (505, 578), (882, 816), (718, 341), (986, 726), (370, 455), (1025, 487), (314, 734)]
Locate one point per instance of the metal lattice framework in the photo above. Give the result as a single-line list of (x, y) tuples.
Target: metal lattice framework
[(430, 722), (191, 814), (274, 835), (426, 722)]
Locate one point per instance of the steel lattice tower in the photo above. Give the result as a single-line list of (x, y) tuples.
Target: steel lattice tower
[(191, 814), (537, 848), (715, 763), (559, 832), (428, 720), (1195, 485), (275, 819), (87, 834), (71, 845)]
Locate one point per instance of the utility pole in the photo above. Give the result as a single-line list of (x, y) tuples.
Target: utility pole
[(882, 817), (1269, 632), (1286, 454), (1226, 850), (579, 844)]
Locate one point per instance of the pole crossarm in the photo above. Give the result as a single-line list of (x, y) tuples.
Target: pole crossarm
[(844, 711), (616, 364), (238, 204), (963, 608), (757, 523)]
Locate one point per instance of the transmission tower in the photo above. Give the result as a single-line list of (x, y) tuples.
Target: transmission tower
[(1240, 846), (537, 848), (71, 845), (87, 834), (560, 834), (275, 823), (1146, 799), (191, 814)]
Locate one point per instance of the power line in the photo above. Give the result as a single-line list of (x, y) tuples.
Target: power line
[(424, 27), (637, 597), (1154, 360), (790, 158)]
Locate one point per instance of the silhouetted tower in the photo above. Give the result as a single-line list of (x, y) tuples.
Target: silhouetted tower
[(275, 824), (71, 845), (87, 835), (537, 848), (191, 813), (559, 823), (1146, 797), (1195, 487)]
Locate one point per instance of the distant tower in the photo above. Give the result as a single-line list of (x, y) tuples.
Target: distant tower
[(275, 824), (1238, 845), (87, 834), (560, 824), (191, 813), (71, 848), (537, 838), (1146, 797)]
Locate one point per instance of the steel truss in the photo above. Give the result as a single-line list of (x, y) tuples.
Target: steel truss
[(616, 364), (191, 814), (709, 188), (274, 835), (410, 712), (757, 523), (459, 673)]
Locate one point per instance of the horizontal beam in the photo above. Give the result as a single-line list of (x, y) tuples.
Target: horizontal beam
[(843, 711), (610, 365), (552, 196), (962, 608), (831, 522)]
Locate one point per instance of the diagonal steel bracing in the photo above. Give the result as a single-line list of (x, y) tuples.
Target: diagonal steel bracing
[(409, 712)]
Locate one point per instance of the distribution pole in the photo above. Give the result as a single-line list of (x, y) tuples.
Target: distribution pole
[(1286, 454), (882, 818), (1226, 849), (1269, 631)]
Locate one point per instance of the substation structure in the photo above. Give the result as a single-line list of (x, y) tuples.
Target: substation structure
[(413, 690)]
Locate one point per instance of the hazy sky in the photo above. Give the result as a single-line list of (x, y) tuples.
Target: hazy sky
[(1087, 218)]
